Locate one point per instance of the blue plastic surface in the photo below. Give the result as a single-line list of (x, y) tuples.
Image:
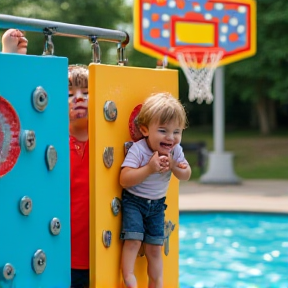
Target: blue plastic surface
[(21, 236)]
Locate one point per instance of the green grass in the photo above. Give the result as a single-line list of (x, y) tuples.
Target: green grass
[(255, 156)]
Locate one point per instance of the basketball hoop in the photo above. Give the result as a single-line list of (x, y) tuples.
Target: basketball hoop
[(198, 65)]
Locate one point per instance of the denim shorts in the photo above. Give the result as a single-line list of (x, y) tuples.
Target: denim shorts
[(142, 219)]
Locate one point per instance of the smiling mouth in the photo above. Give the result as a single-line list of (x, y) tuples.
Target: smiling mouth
[(165, 145), (80, 108)]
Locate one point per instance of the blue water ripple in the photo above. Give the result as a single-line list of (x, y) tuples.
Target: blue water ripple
[(233, 250)]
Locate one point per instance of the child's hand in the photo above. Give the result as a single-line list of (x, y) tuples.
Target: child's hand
[(13, 41), (182, 165), (159, 163), (181, 170), (164, 164), (173, 163)]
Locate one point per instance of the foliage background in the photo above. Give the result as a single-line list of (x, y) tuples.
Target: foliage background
[(256, 89)]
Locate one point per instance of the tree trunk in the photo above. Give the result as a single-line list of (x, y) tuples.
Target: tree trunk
[(271, 108), (253, 117), (261, 108)]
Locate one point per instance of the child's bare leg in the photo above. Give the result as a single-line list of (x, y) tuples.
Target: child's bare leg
[(155, 265), (129, 254)]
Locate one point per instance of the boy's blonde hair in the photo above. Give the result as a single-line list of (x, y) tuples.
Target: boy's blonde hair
[(78, 76), (162, 108)]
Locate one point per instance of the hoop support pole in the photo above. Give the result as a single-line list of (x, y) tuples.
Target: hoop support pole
[(220, 163), (218, 108)]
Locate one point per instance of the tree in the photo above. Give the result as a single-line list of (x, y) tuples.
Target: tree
[(258, 85), (103, 14), (262, 79)]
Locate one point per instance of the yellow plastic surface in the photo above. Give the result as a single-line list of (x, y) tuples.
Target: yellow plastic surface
[(198, 33), (127, 87)]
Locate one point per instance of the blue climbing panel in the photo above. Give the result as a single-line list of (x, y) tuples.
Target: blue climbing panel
[(36, 246)]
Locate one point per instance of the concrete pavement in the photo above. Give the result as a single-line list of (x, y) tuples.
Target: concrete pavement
[(251, 195)]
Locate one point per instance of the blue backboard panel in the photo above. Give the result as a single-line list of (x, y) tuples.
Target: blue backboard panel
[(21, 236)]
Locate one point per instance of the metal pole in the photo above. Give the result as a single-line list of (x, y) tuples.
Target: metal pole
[(218, 110), (220, 163), (63, 29)]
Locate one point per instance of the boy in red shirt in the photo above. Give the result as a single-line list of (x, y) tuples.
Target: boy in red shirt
[(79, 175)]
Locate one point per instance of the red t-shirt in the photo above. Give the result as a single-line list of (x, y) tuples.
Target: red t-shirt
[(79, 201)]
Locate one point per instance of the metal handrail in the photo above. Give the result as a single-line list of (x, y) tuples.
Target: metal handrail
[(50, 28), (63, 29)]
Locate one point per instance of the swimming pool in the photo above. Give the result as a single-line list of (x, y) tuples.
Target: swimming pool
[(233, 250)]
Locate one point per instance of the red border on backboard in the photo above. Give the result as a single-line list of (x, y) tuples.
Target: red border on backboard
[(247, 50)]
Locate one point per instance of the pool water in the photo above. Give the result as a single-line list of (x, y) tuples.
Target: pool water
[(233, 250)]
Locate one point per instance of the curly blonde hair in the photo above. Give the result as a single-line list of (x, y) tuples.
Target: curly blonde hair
[(78, 76), (162, 108)]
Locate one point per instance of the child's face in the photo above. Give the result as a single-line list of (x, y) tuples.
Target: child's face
[(162, 137), (78, 103)]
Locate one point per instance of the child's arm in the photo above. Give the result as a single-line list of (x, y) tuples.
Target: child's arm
[(132, 176), (181, 170)]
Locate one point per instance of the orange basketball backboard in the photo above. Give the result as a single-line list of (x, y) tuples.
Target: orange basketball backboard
[(163, 27)]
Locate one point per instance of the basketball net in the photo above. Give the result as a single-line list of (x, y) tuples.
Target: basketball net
[(198, 67)]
